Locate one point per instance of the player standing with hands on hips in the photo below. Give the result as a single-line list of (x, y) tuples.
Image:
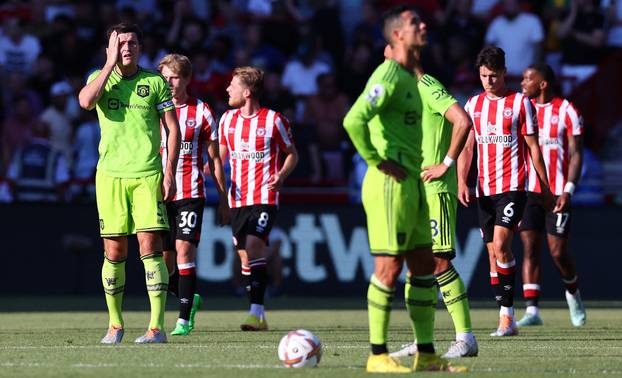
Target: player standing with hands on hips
[(254, 137), (130, 187), (385, 126)]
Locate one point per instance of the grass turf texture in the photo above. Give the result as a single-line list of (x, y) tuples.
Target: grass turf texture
[(54, 342)]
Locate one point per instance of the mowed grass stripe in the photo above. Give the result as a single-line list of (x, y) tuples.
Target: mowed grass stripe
[(67, 344)]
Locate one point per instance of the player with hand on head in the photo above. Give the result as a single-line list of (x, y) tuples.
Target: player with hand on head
[(255, 138), (385, 126), (445, 127), (130, 187), (506, 131), (561, 141), (199, 133)]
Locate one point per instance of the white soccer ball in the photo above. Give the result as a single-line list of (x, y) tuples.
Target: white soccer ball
[(300, 348)]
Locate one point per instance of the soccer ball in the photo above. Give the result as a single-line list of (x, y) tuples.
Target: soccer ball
[(300, 348)]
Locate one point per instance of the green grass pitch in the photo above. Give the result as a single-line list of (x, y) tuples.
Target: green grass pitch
[(66, 343)]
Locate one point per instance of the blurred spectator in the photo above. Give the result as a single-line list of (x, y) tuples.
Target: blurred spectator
[(482, 9), (57, 8), (259, 53), (614, 21), (300, 75), (37, 171), (151, 51), (369, 30), (60, 130), (206, 82), (519, 34), (17, 86), (359, 63), (458, 22), (43, 76), (17, 128), (324, 113), (583, 36), (86, 156), (18, 50)]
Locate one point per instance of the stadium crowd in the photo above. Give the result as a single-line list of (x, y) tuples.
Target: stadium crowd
[(317, 56)]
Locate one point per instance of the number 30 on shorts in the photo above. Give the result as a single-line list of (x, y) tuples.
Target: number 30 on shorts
[(188, 218)]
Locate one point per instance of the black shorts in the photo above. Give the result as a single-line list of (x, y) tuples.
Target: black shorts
[(537, 218), (185, 217), (505, 209), (256, 220)]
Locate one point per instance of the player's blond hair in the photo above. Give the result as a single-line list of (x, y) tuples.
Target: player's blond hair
[(180, 64), (252, 78)]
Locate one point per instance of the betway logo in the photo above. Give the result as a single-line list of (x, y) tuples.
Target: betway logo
[(302, 245)]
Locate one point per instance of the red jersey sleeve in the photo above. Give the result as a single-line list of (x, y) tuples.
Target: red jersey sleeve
[(574, 121), (528, 118), (283, 132)]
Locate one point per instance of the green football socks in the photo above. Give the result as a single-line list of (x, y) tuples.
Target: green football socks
[(113, 279), (421, 299), (455, 297), (156, 276), (379, 298)]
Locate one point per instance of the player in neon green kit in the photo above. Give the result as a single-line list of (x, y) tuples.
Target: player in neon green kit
[(130, 187), (385, 127), (440, 112)]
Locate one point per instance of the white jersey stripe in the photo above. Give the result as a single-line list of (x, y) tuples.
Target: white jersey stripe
[(484, 130)]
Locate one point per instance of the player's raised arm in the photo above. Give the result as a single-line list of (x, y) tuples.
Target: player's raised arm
[(171, 125), (92, 91)]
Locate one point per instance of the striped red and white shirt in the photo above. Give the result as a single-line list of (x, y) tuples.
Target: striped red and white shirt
[(557, 120), (254, 145), (500, 126), (198, 126)]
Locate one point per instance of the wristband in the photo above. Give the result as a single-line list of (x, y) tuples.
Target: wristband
[(569, 188), (448, 161)]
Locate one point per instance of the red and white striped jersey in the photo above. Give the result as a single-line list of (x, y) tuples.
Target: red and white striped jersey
[(198, 126), (254, 145), (557, 120), (500, 125)]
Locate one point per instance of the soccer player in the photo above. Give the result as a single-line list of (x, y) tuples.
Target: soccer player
[(560, 129), (254, 137), (185, 211), (130, 186), (505, 128), (440, 112), (384, 125)]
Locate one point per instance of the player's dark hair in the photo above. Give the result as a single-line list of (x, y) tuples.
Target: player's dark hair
[(546, 71), (391, 20), (125, 27), (492, 57)]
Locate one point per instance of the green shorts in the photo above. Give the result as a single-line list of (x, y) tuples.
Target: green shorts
[(397, 213), (129, 205), (443, 207)]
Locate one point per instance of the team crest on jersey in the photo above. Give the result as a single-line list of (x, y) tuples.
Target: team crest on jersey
[(507, 113), (190, 123), (261, 132), (142, 90), (554, 119)]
